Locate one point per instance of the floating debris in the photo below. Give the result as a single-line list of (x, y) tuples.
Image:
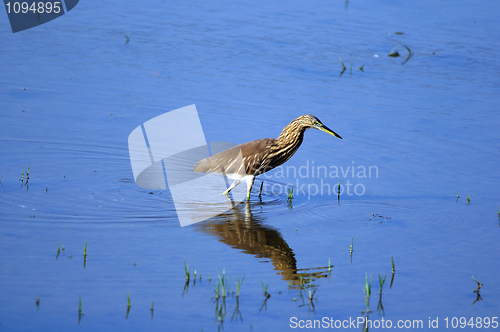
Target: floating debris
[(376, 215)]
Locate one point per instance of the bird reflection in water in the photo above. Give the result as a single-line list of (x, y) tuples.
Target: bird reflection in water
[(241, 229)]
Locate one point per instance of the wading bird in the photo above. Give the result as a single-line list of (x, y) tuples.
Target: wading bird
[(247, 160)]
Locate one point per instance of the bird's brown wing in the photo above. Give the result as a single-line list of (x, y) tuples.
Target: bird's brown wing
[(244, 159)]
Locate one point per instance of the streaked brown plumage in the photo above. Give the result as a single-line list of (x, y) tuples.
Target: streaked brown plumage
[(248, 160)]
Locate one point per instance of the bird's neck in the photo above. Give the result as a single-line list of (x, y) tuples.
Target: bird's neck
[(291, 136)]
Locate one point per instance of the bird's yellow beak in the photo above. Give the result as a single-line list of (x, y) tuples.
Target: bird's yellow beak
[(324, 128)]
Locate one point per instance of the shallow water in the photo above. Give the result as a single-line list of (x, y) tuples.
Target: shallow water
[(72, 90)]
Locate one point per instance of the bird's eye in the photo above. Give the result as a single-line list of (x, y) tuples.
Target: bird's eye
[(316, 123)]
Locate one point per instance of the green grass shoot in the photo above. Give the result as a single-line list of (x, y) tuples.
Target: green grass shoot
[(329, 265), (152, 306), (290, 193), (80, 311), (264, 289), (352, 241), (37, 300), (392, 262), (194, 275), (128, 300), (343, 66), (22, 174), (368, 292), (217, 291), (238, 282), (479, 285), (186, 270), (85, 250), (58, 251), (381, 282), (468, 198), (338, 188), (222, 282)]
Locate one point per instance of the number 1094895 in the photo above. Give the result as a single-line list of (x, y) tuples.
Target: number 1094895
[(35, 7)]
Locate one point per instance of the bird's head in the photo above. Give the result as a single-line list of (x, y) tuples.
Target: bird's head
[(310, 121)]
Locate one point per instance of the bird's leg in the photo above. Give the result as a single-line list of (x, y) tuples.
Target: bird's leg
[(250, 180), (235, 183)]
